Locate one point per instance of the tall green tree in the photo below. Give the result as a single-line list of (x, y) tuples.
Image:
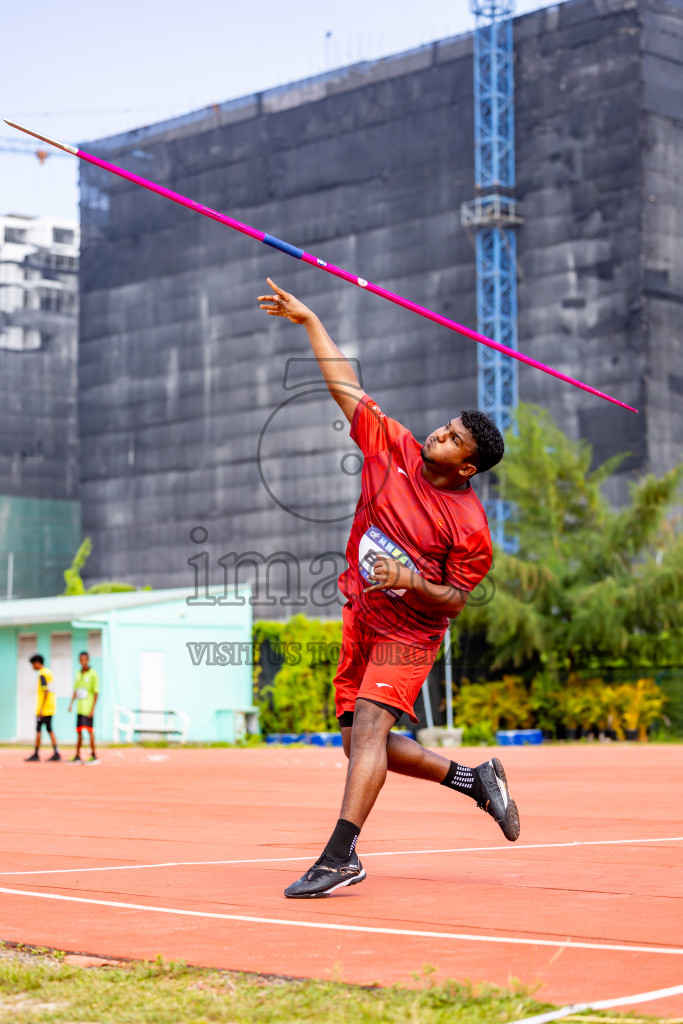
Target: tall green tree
[(587, 585)]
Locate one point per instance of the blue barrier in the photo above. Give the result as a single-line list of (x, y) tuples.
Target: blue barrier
[(320, 739), (324, 739), (518, 737)]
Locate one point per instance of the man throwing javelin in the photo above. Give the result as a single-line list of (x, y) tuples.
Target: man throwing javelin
[(419, 544)]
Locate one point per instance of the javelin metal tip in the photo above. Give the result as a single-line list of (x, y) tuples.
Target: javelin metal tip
[(43, 138)]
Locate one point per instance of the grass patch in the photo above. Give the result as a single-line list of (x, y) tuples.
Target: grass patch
[(39, 987)]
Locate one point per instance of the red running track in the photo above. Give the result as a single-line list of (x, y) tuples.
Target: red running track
[(597, 866)]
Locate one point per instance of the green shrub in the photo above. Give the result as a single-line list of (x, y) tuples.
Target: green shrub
[(478, 735), (592, 704), (301, 696), (501, 704), (643, 706)]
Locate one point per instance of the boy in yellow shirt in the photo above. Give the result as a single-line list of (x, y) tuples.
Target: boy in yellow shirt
[(46, 705)]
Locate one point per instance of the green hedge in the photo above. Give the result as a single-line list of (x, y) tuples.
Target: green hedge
[(300, 698), (296, 693)]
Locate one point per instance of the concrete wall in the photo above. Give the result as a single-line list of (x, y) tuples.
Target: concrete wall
[(661, 305), (42, 535), (579, 173), (180, 373), (182, 379)]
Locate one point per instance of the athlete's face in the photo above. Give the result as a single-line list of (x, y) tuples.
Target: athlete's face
[(451, 448)]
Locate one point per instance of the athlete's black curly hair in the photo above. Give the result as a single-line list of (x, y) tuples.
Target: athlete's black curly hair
[(488, 438)]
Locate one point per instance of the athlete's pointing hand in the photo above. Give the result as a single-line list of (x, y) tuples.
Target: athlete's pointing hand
[(284, 304)]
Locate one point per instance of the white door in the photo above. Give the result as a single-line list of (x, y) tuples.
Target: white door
[(27, 684), (61, 663), (95, 643), (152, 690)]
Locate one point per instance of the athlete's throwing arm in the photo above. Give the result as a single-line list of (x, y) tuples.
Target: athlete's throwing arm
[(385, 573)]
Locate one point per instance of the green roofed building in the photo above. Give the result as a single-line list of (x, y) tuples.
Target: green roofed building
[(157, 656)]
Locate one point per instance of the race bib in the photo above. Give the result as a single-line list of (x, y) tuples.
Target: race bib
[(374, 543)]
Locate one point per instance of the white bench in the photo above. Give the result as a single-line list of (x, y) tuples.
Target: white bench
[(244, 722), (136, 723)]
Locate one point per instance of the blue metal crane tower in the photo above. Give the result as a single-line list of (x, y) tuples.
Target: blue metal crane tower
[(494, 216), (25, 147)]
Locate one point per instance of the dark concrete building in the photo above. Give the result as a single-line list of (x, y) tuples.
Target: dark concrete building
[(39, 507), (197, 410)]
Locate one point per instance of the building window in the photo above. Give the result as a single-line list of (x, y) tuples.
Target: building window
[(16, 235), (50, 302), (12, 338), (63, 236), (23, 339), (31, 339)]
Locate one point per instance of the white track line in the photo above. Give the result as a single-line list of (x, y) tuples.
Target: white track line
[(603, 1004), (563, 944), (375, 853)]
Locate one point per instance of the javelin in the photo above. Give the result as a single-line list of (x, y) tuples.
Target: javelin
[(299, 254)]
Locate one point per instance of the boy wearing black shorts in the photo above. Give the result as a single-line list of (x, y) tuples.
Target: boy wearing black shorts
[(46, 705), (86, 692)]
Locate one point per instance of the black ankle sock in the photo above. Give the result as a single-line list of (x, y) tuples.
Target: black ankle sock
[(463, 779), (343, 840)]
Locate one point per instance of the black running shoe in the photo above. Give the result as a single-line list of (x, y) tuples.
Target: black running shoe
[(55, 757), (325, 876), (496, 799), (33, 757)]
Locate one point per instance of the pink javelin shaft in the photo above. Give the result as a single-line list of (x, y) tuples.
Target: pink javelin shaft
[(300, 254)]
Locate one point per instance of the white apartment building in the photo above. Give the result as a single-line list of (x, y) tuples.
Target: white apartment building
[(38, 279)]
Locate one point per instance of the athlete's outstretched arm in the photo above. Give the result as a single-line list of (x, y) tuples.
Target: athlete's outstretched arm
[(337, 371)]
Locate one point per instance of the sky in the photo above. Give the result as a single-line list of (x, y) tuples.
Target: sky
[(78, 70)]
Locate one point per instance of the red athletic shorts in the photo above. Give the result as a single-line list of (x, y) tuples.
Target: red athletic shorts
[(378, 668)]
